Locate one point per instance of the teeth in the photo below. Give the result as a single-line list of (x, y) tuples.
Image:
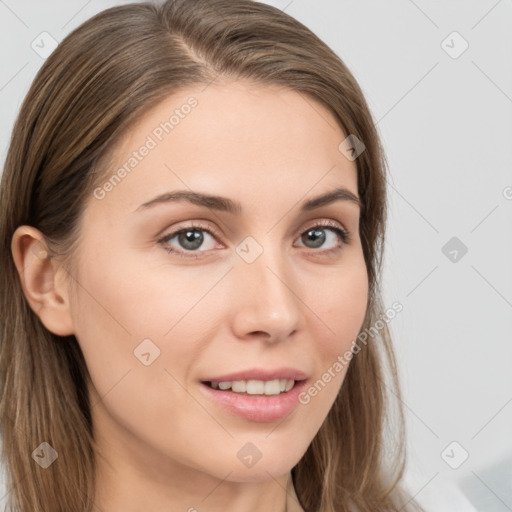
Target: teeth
[(239, 386), (256, 387)]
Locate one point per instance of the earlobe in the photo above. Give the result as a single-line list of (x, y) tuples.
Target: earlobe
[(41, 280)]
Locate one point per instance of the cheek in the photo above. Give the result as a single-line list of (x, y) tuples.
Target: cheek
[(122, 303), (133, 312), (341, 306), (140, 296), (340, 309)]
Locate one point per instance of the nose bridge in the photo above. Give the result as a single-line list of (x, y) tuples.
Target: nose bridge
[(266, 300)]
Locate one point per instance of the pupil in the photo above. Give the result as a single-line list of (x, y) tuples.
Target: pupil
[(317, 236), (191, 239)]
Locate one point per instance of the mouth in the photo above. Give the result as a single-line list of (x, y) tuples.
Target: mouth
[(253, 399), (253, 387)]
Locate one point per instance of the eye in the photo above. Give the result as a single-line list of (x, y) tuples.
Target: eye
[(316, 236), (192, 237), (189, 238)]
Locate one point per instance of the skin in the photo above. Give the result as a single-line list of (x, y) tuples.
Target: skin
[(163, 444)]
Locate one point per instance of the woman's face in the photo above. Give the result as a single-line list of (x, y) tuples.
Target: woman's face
[(251, 290)]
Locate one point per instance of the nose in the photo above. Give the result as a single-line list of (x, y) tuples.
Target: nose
[(265, 304)]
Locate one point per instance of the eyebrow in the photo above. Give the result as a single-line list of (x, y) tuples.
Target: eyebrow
[(225, 204)]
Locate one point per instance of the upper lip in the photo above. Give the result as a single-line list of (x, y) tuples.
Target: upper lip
[(259, 374)]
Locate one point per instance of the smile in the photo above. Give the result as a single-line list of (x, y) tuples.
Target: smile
[(254, 387)]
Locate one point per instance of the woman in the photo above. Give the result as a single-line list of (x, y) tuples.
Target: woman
[(192, 217)]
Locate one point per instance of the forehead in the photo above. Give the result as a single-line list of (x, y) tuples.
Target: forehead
[(239, 139)]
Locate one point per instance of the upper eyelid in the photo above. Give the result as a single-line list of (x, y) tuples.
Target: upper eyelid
[(214, 231), (193, 225)]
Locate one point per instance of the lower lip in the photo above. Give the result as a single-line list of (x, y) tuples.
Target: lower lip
[(260, 408)]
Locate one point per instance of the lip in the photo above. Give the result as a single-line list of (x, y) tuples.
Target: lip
[(257, 408), (260, 374)]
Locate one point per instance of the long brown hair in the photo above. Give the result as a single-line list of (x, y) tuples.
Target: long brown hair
[(100, 78)]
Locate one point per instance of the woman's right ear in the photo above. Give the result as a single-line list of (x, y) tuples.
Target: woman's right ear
[(42, 280)]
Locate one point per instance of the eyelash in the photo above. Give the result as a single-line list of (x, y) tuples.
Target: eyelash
[(342, 233)]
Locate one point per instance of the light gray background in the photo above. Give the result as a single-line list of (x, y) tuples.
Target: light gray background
[(447, 129)]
